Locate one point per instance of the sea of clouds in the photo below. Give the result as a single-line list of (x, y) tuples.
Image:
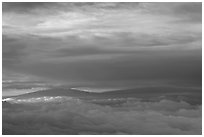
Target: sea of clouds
[(62, 115)]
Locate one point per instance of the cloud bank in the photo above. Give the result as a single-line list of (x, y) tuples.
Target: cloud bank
[(72, 116)]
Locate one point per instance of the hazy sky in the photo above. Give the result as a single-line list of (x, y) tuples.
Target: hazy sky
[(103, 43)]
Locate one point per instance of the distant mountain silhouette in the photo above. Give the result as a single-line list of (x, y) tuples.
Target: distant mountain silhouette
[(190, 95)]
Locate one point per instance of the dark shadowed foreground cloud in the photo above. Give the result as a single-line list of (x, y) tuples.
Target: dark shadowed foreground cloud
[(72, 116)]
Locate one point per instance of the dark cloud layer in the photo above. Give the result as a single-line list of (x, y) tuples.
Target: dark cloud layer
[(12, 51), (151, 66), (24, 7)]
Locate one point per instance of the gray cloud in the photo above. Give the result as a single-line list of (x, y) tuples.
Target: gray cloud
[(25, 7), (188, 11), (104, 59), (12, 51), (79, 52), (76, 117), (185, 66), (99, 42), (192, 10)]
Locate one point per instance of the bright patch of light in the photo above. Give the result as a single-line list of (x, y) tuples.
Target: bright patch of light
[(40, 99)]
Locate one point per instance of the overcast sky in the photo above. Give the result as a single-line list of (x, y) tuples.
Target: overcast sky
[(103, 43)]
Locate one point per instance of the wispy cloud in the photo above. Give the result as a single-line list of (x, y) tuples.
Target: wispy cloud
[(90, 19)]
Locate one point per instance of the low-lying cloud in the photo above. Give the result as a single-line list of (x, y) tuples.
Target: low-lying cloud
[(73, 116)]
